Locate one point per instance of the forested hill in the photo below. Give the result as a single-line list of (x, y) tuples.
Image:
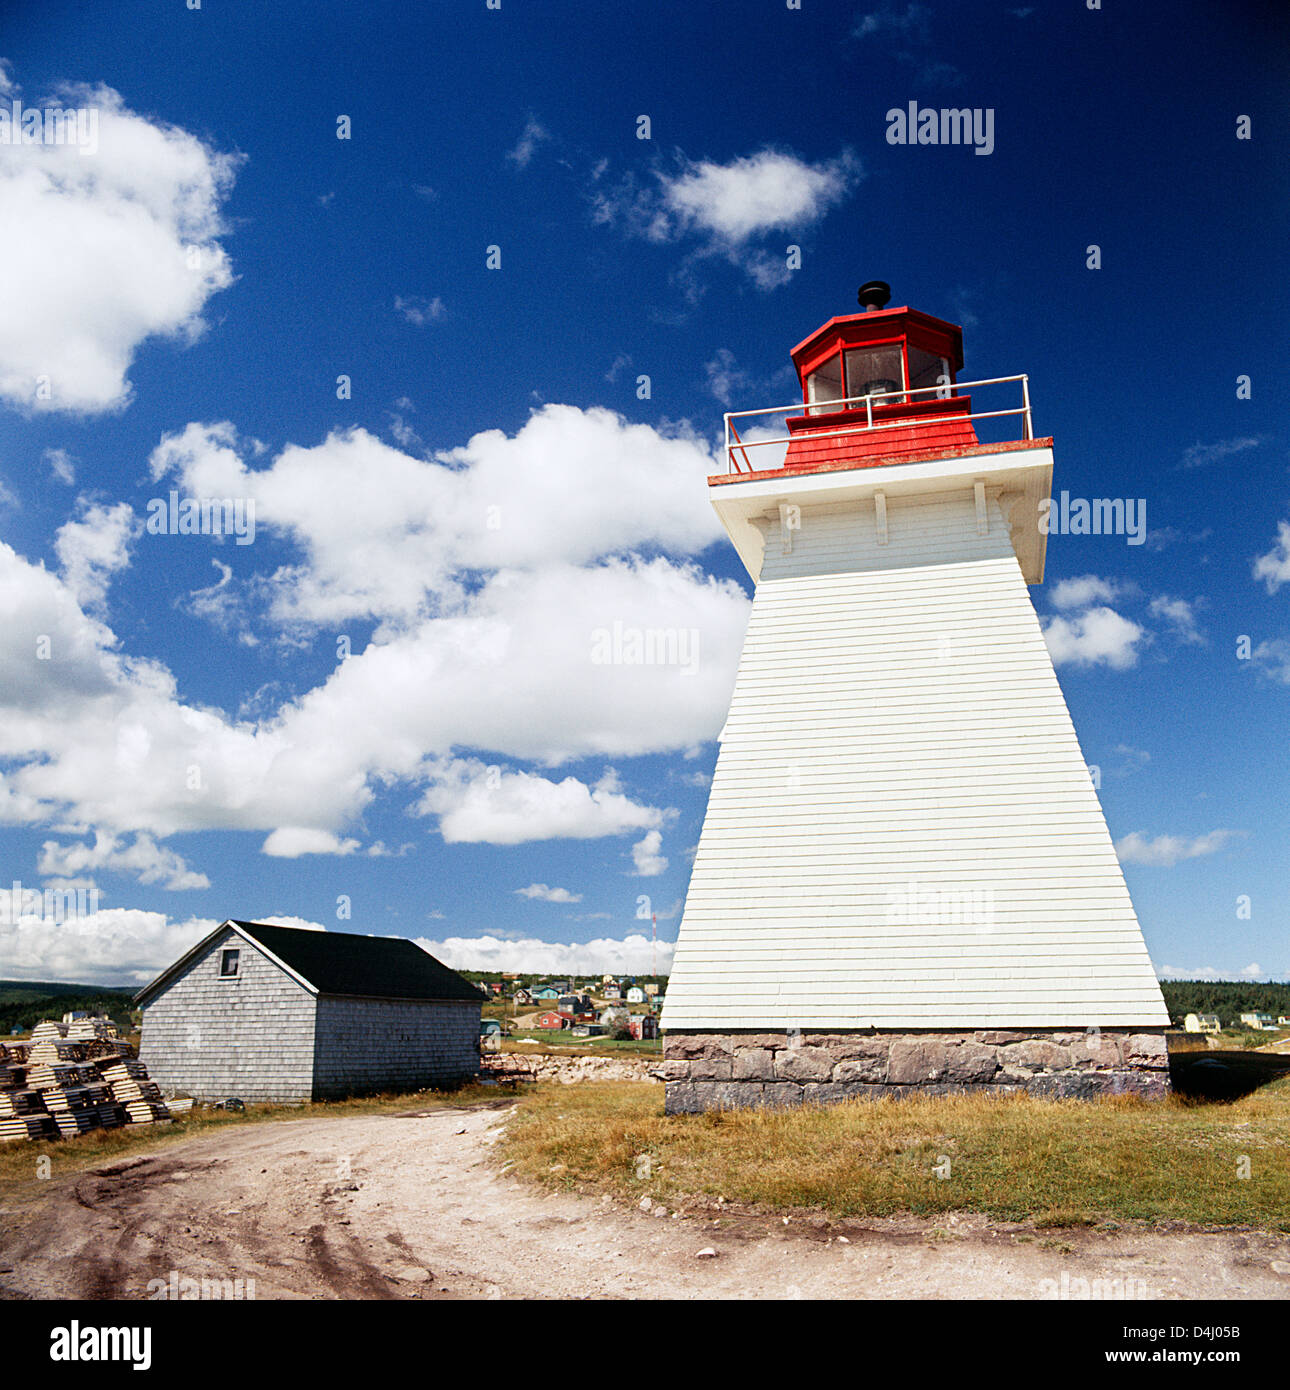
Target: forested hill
[(1229, 999), (23, 1003)]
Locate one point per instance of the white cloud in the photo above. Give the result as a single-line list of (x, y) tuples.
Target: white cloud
[(1099, 637), (725, 376), (486, 641), (727, 207), (548, 895), (383, 532), (1181, 617), (291, 841), (1273, 659), (533, 135), (115, 946), (1253, 971), (96, 253), (630, 955), (124, 947), (911, 22), (1202, 455), (93, 548), (645, 855), (1274, 567), (61, 464), (753, 194), (475, 803), (418, 310), (145, 860), (1167, 850), (1083, 590)]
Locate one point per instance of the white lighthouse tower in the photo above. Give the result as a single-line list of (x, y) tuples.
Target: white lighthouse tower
[(904, 878)]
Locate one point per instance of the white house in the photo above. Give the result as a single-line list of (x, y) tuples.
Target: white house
[(1202, 1023)]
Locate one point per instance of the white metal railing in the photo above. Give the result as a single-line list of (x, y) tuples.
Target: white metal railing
[(741, 446)]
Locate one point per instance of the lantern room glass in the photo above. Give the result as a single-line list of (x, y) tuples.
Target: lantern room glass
[(824, 386), (927, 369), (872, 370)]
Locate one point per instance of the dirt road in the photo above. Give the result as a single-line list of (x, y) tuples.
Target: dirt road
[(407, 1206)]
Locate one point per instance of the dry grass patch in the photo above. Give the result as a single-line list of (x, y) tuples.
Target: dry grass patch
[(1012, 1158)]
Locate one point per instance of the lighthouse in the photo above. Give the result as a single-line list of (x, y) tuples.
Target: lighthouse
[(904, 880)]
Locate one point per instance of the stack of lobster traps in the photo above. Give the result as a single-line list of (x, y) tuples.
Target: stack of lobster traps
[(72, 1078)]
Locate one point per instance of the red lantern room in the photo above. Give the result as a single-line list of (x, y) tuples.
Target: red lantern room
[(889, 373)]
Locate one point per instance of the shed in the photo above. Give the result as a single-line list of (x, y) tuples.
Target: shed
[(271, 1013)]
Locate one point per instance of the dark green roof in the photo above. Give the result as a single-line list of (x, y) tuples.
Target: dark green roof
[(380, 967)]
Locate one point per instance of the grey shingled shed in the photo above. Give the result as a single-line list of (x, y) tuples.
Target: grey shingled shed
[(270, 1013)]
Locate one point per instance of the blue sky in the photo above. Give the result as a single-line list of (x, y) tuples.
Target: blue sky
[(497, 485)]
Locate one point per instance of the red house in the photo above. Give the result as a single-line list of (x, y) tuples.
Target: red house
[(554, 1020)]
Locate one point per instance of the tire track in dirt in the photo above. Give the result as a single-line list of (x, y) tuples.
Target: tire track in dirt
[(411, 1207)]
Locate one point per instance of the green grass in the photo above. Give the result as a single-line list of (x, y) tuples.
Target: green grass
[(1012, 1158)]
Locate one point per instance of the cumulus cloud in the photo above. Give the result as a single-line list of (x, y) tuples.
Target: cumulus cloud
[(93, 548), (143, 859), (629, 955), (727, 208), (103, 252), (475, 803), (490, 572), (121, 946), (1083, 590), (102, 739), (542, 893), (291, 841), (1164, 851), (115, 946), (385, 534), (753, 194), (1274, 567), (1098, 637), (646, 857)]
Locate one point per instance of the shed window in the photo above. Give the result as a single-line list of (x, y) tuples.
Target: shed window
[(228, 964)]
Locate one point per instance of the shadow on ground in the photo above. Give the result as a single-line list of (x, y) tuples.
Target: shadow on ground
[(1224, 1075)]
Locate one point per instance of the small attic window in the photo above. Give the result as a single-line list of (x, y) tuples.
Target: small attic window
[(228, 965)]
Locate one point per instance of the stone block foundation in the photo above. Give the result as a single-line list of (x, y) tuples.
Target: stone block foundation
[(710, 1070)]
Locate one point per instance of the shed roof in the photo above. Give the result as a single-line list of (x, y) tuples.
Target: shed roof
[(345, 963)]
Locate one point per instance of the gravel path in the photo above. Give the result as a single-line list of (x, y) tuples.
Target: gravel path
[(408, 1206)]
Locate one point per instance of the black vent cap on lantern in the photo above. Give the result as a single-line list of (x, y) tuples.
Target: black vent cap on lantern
[(874, 294)]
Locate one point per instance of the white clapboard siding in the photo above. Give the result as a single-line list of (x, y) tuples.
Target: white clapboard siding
[(901, 831)]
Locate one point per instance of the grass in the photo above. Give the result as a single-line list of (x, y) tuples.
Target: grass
[(1055, 1163), (20, 1159)]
